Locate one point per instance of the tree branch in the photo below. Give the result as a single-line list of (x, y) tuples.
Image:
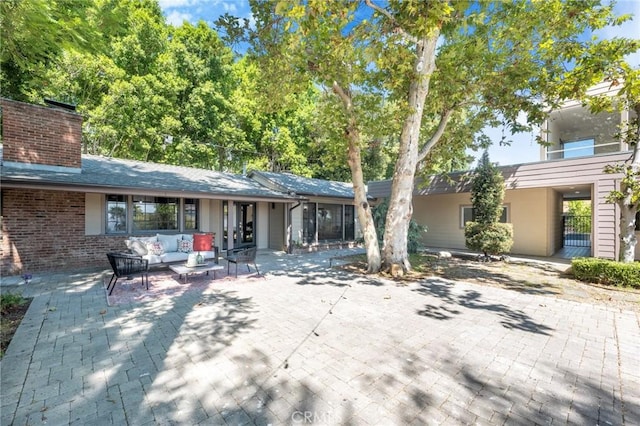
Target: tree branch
[(396, 26), (343, 95), (442, 125)]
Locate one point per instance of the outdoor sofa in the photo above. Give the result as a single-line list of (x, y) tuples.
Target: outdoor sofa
[(163, 249)]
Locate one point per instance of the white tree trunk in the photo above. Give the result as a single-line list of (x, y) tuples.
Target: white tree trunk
[(629, 208), (363, 209), (394, 249)]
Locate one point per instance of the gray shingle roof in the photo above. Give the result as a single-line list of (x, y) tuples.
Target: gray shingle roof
[(103, 172), (289, 182)]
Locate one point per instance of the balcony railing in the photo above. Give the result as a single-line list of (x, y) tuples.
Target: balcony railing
[(556, 154)]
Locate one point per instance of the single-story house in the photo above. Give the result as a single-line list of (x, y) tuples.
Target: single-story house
[(61, 209)]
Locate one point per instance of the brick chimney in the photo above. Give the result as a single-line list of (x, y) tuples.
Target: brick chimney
[(40, 136)]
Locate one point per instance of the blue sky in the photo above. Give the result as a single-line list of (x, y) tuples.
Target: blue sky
[(524, 148)]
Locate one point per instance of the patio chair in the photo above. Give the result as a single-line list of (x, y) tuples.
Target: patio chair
[(127, 265), (247, 256)]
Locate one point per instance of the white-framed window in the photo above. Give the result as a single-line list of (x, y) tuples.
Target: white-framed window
[(467, 214), (143, 213)]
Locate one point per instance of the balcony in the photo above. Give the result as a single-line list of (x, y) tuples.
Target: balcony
[(573, 132)]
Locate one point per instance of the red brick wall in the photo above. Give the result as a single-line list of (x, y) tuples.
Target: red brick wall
[(40, 135), (45, 231)]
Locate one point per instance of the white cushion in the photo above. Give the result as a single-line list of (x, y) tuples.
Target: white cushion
[(174, 257), (139, 244), (170, 242), (152, 258), (185, 236), (136, 246)]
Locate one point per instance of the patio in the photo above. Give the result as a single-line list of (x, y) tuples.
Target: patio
[(309, 344)]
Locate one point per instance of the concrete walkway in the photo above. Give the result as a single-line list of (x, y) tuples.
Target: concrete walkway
[(312, 345)]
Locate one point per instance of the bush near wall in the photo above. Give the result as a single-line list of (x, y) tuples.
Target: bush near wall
[(604, 271)]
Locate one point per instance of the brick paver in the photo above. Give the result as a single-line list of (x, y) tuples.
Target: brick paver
[(312, 345)]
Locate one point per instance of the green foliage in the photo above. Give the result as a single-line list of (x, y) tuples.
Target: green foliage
[(630, 184), (486, 234), (489, 238), (9, 300), (580, 208), (609, 272), (414, 234), (35, 32), (487, 191)]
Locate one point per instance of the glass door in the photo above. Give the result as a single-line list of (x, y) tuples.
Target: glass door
[(245, 215), (243, 232)]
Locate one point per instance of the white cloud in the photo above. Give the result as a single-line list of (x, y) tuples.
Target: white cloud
[(176, 18), (170, 4)]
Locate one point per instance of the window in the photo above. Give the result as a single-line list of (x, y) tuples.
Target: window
[(579, 148), (638, 221), (116, 214), (190, 214), (139, 213), (329, 222), (155, 213), (468, 215), (349, 223), (309, 223)]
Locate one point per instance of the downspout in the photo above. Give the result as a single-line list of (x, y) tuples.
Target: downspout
[(289, 228)]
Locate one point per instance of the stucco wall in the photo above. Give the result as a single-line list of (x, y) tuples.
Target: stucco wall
[(529, 212), (263, 225)]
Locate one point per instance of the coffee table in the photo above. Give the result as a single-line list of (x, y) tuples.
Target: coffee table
[(185, 270)]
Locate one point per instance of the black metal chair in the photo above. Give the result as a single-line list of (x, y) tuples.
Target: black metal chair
[(247, 256), (127, 265)]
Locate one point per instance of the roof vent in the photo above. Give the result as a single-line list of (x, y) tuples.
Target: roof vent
[(56, 104)]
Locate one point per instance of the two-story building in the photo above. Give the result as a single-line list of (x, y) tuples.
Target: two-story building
[(580, 144)]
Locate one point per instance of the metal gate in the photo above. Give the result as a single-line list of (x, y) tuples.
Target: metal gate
[(576, 231)]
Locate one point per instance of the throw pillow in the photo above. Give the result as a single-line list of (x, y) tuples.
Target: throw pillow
[(137, 246), (202, 242), (156, 248), (185, 246), (169, 242)]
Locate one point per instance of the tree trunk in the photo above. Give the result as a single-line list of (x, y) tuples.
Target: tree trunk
[(394, 249), (629, 208), (354, 159)]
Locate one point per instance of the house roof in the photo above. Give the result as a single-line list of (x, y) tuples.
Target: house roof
[(290, 183), (102, 174)]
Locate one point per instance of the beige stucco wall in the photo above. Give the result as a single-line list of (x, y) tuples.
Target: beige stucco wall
[(441, 215), (530, 211), (262, 225), (94, 217)]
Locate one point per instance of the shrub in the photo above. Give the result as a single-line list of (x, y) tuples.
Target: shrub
[(604, 271), (9, 300), (489, 238)]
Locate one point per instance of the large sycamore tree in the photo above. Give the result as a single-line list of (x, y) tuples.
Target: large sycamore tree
[(452, 67)]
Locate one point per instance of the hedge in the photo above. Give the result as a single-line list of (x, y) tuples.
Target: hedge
[(604, 271)]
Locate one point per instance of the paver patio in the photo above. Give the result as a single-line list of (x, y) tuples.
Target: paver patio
[(309, 344)]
